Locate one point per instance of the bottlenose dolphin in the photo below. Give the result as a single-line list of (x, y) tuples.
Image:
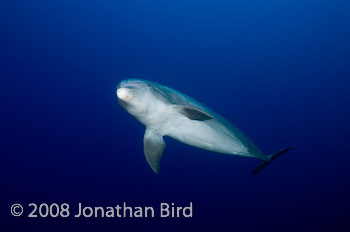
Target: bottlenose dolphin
[(165, 111)]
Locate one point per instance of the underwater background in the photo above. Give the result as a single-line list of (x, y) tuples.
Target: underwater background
[(278, 70)]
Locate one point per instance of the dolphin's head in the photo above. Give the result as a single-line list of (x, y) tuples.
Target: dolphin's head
[(133, 95)]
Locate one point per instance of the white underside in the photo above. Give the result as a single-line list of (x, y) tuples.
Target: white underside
[(209, 134)]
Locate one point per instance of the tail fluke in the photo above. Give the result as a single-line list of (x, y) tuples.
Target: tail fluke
[(270, 158)]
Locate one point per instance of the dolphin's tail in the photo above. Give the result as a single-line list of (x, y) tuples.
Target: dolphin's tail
[(269, 159)]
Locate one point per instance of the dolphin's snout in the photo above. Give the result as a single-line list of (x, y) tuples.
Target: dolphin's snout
[(124, 94)]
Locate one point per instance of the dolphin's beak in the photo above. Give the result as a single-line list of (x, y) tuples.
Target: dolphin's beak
[(124, 94)]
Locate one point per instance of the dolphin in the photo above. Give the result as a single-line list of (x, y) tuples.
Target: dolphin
[(167, 112)]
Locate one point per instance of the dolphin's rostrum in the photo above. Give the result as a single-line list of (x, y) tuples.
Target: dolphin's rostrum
[(165, 111)]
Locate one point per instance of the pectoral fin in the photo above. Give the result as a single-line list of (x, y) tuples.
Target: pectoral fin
[(153, 146), (194, 113)]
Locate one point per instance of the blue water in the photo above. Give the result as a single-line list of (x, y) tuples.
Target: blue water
[(278, 70)]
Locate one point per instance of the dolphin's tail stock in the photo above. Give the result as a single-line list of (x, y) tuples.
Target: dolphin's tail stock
[(269, 159)]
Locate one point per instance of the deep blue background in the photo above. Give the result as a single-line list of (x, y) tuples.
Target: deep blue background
[(279, 70)]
